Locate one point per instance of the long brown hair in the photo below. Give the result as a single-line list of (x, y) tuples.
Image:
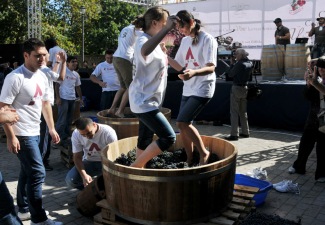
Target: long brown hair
[(153, 13), (185, 18)]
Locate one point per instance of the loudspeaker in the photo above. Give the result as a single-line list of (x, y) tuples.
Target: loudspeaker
[(12, 53)]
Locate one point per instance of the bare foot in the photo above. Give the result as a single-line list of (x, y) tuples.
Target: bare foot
[(119, 115), (111, 112), (205, 160)]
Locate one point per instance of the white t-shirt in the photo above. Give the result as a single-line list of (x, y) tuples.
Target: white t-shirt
[(126, 41), (147, 90), (52, 52), (68, 85), (92, 147), (107, 72), (52, 77), (25, 91), (196, 57)]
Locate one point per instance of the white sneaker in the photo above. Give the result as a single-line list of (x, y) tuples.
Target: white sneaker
[(47, 222), (26, 216), (291, 170), (288, 187), (280, 183)]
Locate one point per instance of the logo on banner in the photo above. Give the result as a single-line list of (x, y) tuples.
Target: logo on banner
[(297, 6)]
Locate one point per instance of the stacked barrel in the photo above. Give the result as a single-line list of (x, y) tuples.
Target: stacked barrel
[(290, 62)]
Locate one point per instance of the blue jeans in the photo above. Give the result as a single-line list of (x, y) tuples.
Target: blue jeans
[(8, 214), (31, 178), (107, 99), (73, 178), (154, 122), (65, 116)]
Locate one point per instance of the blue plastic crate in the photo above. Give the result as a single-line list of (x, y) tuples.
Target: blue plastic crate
[(263, 185)]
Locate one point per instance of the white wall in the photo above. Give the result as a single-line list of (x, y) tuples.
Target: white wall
[(252, 20)]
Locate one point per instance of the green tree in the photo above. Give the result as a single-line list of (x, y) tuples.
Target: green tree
[(103, 33), (13, 21), (62, 20)]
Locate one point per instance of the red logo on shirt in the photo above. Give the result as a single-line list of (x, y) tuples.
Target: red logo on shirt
[(190, 58), (38, 91), (93, 147)]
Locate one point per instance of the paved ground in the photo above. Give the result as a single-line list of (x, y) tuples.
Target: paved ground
[(272, 150)]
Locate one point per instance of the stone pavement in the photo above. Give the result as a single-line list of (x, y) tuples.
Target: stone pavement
[(272, 150)]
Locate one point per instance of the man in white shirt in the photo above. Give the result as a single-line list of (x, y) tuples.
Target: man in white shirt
[(57, 73), (65, 98), (26, 90), (87, 141), (110, 83)]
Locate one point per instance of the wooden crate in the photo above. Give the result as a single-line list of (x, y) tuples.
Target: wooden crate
[(241, 205), (66, 156)]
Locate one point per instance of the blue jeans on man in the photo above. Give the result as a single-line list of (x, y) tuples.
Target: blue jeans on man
[(8, 214), (65, 116), (73, 178), (31, 178)]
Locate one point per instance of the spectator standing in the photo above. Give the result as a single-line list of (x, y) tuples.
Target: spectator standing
[(240, 71), (196, 60), (53, 75), (318, 49), (110, 83), (122, 61), (282, 33), (87, 141), (314, 92), (26, 90), (54, 48), (148, 87), (65, 99)]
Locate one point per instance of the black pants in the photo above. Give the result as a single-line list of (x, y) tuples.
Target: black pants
[(309, 138), (45, 141)]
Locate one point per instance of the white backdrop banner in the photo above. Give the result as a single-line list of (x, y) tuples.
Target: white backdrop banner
[(250, 22)]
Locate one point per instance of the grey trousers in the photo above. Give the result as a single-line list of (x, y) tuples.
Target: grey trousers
[(238, 109)]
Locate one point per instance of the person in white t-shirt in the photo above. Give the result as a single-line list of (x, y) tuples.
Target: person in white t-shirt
[(45, 137), (26, 90), (65, 99), (196, 60), (87, 141), (54, 49), (110, 83), (122, 61), (148, 87)]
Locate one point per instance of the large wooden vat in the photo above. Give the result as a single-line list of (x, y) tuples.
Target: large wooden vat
[(170, 196), (126, 127), (272, 62), (296, 58)]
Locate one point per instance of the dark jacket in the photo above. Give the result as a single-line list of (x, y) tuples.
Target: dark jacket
[(240, 71)]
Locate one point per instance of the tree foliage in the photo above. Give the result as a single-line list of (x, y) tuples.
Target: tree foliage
[(62, 20)]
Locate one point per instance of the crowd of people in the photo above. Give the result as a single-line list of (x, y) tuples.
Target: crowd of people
[(136, 73)]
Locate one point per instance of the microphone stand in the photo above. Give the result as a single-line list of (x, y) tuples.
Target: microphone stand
[(225, 33)]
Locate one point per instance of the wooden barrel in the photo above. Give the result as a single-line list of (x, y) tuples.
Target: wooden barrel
[(126, 127), (88, 197), (296, 58), (169, 196), (272, 62)]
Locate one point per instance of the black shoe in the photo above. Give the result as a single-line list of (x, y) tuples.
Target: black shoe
[(244, 135), (48, 167), (232, 138)]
